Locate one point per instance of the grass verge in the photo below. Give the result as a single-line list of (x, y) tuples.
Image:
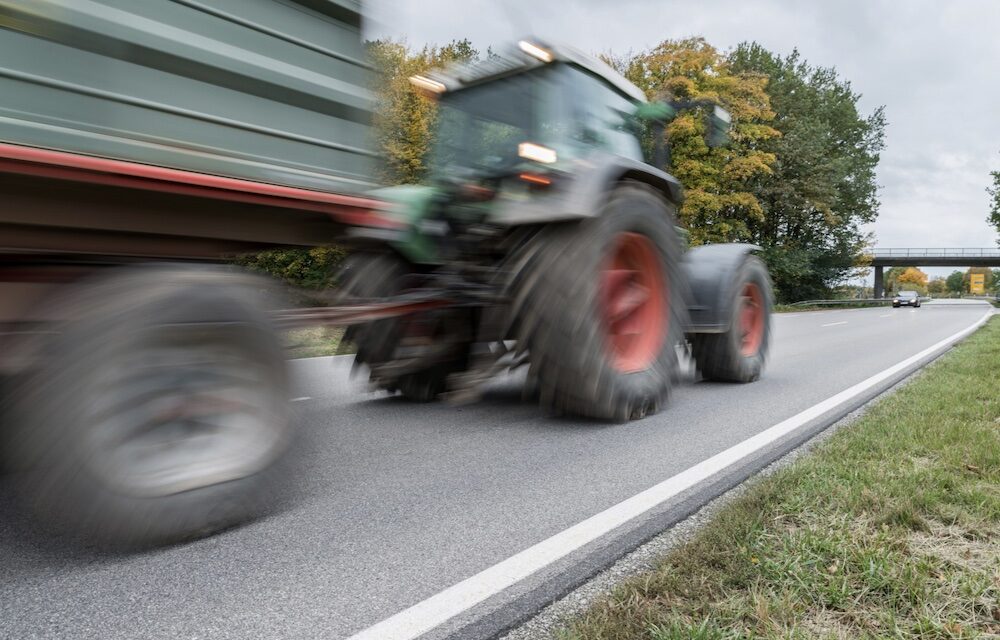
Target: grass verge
[(314, 341), (891, 529)]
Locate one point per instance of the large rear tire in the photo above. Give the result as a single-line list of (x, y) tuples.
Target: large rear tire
[(739, 353), (599, 307), (158, 409)]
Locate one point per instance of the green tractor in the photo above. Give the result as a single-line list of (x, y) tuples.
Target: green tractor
[(551, 232)]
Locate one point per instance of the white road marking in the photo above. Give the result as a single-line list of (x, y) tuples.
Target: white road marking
[(338, 356), (833, 324), (441, 607), (886, 315), (301, 398)]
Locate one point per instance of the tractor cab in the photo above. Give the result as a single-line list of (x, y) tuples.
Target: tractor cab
[(542, 119), (537, 112), (529, 116)]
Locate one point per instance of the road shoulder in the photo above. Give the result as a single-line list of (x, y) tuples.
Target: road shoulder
[(890, 524)]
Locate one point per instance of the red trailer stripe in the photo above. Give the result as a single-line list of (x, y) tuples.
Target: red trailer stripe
[(71, 166)]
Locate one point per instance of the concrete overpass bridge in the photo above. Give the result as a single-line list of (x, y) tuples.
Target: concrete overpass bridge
[(939, 257)]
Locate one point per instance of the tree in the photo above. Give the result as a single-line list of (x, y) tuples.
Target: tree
[(914, 279), (404, 120), (891, 278), (994, 191), (956, 282), (313, 268), (937, 286), (822, 188), (914, 276), (719, 204), (967, 278)]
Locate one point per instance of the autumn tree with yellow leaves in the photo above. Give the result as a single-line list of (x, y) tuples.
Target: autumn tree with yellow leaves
[(405, 121), (718, 182), (913, 276)]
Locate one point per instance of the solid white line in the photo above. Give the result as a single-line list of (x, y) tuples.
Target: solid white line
[(441, 607), (333, 357), (301, 398), (833, 324)]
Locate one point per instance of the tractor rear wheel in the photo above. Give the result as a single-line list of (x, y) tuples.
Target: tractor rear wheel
[(599, 307), (379, 344), (738, 354)]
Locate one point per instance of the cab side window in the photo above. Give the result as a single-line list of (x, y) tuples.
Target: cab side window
[(604, 116)]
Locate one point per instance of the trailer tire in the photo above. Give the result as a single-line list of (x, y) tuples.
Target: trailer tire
[(739, 353), (158, 410), (367, 275), (599, 307)]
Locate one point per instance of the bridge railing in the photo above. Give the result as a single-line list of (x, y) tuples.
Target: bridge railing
[(842, 302), (930, 252)]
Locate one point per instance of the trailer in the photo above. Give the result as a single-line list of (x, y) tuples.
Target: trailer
[(141, 146)]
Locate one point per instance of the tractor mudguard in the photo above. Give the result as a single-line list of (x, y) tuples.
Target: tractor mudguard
[(583, 190), (710, 271)]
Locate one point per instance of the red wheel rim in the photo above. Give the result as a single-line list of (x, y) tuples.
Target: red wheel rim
[(634, 301), (751, 319)]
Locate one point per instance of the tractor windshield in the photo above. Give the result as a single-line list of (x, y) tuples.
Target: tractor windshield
[(480, 128)]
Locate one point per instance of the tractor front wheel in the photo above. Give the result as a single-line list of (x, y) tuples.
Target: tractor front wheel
[(738, 354)]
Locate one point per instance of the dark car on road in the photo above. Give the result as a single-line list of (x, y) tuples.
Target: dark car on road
[(906, 298)]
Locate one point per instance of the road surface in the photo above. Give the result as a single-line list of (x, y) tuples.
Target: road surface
[(396, 502)]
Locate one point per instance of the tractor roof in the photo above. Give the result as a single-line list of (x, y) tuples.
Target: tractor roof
[(529, 54)]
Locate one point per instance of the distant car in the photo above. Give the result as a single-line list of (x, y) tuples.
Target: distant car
[(906, 298)]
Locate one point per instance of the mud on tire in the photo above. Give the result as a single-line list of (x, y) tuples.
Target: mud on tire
[(739, 354), (573, 291)]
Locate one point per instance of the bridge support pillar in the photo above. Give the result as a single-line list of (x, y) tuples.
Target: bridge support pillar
[(879, 283)]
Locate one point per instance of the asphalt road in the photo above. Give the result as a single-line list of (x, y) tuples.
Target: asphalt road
[(395, 502)]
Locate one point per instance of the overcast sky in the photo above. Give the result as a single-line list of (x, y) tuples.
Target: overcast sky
[(934, 65)]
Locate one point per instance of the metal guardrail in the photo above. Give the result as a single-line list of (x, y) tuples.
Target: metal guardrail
[(935, 253), (819, 303)]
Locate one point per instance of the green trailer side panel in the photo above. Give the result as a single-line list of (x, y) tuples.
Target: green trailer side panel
[(270, 90)]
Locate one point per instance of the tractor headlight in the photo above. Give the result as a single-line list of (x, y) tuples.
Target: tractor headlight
[(536, 152), (428, 86), (535, 51)]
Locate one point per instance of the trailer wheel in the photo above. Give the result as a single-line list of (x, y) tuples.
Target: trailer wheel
[(599, 307), (158, 410), (739, 353), (367, 275)]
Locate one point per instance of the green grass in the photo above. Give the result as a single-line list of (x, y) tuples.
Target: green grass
[(314, 341), (890, 529)]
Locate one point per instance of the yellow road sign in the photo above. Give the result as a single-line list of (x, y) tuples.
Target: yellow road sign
[(977, 283)]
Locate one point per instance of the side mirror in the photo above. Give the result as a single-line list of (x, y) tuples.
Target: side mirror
[(718, 125)]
